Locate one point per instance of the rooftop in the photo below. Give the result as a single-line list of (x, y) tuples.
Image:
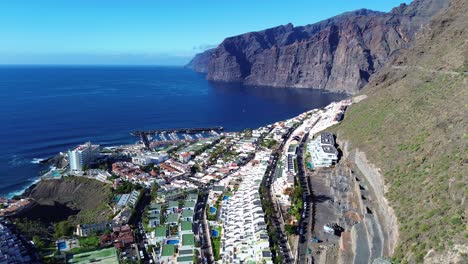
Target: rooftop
[(189, 204), (186, 226), (154, 207), (192, 196), (187, 213), (188, 240), (168, 250), (185, 258), (173, 204), (186, 252), (161, 231), (329, 149), (327, 138), (173, 218)]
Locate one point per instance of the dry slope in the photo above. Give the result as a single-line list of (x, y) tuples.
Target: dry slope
[(413, 126), (85, 196)]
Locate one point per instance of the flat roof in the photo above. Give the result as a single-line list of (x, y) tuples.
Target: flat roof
[(327, 138), (172, 218), (173, 204), (218, 188), (185, 258), (154, 207), (330, 149), (168, 250), (188, 240), (187, 213), (186, 252), (161, 231), (189, 204), (154, 215), (193, 196), (266, 254), (186, 225)]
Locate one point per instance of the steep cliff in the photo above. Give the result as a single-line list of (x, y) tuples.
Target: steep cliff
[(201, 61), (338, 54), (412, 127)]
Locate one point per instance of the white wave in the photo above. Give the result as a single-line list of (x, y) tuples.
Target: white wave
[(37, 160), (21, 191)]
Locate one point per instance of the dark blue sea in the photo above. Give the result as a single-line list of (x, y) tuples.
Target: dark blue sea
[(48, 109)]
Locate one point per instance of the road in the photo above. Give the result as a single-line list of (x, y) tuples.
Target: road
[(203, 229), (277, 219), (307, 215), (135, 221)]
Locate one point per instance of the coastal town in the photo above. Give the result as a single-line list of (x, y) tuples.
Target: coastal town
[(196, 196)]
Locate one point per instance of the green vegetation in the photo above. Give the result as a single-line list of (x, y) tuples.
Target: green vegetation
[(290, 229), (154, 191), (216, 242), (107, 255), (269, 210), (91, 242), (269, 143), (63, 229), (39, 233), (297, 203), (296, 167), (412, 127), (247, 133), (126, 187), (218, 151), (86, 244)]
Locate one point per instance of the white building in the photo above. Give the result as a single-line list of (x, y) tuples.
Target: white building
[(322, 150), (82, 155), (150, 158), (245, 235)]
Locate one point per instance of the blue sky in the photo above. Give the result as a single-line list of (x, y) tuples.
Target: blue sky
[(145, 31)]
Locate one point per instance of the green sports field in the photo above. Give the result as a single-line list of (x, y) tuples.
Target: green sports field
[(103, 256)]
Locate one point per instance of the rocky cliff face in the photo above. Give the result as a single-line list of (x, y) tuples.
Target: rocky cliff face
[(201, 61), (338, 54)]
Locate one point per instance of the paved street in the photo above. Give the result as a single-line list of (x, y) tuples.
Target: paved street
[(135, 221), (277, 220), (203, 230), (307, 216)]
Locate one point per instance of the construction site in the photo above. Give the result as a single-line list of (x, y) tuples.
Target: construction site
[(352, 222)]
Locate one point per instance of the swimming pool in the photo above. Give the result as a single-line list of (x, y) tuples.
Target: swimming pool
[(62, 245), (214, 233), (172, 242), (212, 210), (225, 198)]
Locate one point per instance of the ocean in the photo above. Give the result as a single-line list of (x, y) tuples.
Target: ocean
[(49, 109)]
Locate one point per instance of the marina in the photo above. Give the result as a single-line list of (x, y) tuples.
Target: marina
[(169, 136)]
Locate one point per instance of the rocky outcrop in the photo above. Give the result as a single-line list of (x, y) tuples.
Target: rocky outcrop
[(337, 54), (380, 229), (386, 215)]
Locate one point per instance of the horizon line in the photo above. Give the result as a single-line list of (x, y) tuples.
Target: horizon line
[(97, 64)]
